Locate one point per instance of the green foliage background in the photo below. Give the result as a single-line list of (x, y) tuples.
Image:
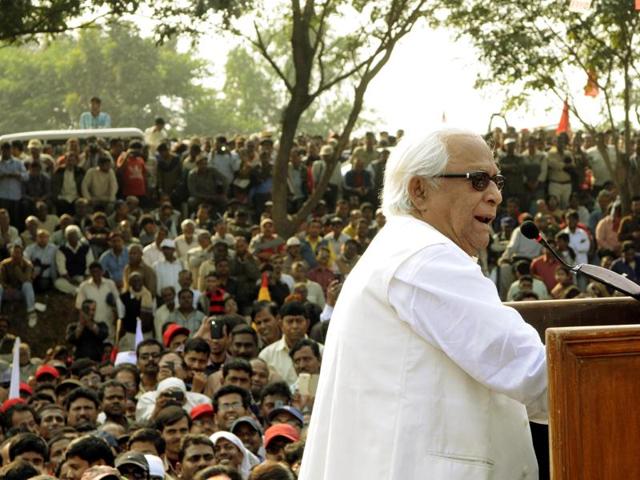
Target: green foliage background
[(47, 86)]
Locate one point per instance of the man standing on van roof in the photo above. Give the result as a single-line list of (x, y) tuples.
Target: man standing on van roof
[(95, 118)]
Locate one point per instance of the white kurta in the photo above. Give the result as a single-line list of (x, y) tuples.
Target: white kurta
[(425, 373)]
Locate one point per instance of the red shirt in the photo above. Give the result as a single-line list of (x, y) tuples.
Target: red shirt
[(545, 270), (133, 177)]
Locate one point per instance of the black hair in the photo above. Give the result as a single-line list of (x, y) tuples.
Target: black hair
[(111, 384), (41, 396), (306, 342), (148, 435), (237, 364), (146, 343), (18, 470), (293, 308), (228, 390), (523, 267), (259, 306), (197, 344), (276, 388), (245, 329), (170, 415), (218, 470), (193, 439), (18, 407), (28, 442), (81, 392), (127, 367), (521, 296), (91, 449)]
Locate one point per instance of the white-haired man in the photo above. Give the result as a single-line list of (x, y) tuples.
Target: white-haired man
[(457, 373), (72, 261)]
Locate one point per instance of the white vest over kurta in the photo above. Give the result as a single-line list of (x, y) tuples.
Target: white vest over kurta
[(390, 405)]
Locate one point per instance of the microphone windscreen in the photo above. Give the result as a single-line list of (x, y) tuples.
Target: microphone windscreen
[(530, 230)]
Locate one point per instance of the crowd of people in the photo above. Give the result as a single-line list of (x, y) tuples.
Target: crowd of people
[(197, 331)]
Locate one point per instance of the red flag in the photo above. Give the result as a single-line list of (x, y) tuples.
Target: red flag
[(564, 126), (591, 88)]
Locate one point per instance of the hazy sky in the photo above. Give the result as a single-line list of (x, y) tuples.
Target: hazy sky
[(431, 74)]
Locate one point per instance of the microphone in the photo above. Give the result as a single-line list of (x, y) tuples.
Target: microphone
[(594, 272)]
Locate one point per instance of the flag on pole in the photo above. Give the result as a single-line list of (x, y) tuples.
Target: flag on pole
[(263, 293), (580, 6), (14, 386), (563, 125), (591, 88)]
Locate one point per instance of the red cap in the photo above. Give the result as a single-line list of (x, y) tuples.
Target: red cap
[(201, 410), (24, 387), (281, 430), (171, 331), (47, 370), (7, 404)]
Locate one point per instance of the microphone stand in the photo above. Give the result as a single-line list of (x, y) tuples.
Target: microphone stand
[(600, 274)]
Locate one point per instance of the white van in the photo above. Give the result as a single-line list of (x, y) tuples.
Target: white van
[(58, 138)]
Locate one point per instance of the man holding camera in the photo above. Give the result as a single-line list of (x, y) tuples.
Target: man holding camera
[(223, 159)]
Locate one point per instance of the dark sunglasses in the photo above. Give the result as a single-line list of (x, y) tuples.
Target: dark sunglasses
[(479, 180)]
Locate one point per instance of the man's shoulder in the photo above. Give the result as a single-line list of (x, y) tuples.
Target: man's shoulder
[(271, 350)]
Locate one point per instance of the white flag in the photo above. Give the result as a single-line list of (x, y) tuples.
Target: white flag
[(14, 386), (139, 336)]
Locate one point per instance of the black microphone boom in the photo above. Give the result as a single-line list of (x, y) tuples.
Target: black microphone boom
[(594, 272)]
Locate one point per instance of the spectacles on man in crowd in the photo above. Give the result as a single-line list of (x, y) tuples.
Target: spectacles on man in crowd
[(223, 407), (479, 180)]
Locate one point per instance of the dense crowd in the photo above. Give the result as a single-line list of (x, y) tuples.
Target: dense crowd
[(196, 336)]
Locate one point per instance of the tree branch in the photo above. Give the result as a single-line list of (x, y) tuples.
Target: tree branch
[(262, 48)]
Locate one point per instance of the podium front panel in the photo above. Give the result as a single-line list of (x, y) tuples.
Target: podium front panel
[(594, 390)]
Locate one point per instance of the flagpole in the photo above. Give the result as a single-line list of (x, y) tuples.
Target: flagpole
[(14, 386)]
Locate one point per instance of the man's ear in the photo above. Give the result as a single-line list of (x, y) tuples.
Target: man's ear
[(419, 192)]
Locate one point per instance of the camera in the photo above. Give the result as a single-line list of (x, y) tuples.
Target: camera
[(217, 329)]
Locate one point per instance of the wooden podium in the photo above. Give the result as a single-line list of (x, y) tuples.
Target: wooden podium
[(594, 386)]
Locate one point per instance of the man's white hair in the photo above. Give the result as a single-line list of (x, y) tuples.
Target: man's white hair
[(422, 156)]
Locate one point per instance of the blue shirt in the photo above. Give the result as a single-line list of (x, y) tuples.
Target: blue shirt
[(11, 188), (114, 265), (103, 120)]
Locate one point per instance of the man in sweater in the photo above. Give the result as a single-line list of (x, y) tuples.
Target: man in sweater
[(100, 186)]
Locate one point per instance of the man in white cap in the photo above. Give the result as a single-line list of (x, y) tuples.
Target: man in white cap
[(420, 334), (167, 270)]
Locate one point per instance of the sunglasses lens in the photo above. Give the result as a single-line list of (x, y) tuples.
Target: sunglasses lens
[(480, 180), (499, 179)]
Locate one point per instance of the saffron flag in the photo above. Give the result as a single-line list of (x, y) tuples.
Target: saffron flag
[(563, 125), (591, 88), (14, 386), (263, 293), (637, 4), (580, 6)]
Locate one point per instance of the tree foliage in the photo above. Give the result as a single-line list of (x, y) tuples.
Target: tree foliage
[(539, 46), (49, 86)]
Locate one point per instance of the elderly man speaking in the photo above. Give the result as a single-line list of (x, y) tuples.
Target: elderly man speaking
[(425, 374)]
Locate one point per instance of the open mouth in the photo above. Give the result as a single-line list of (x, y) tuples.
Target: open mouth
[(483, 219)]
